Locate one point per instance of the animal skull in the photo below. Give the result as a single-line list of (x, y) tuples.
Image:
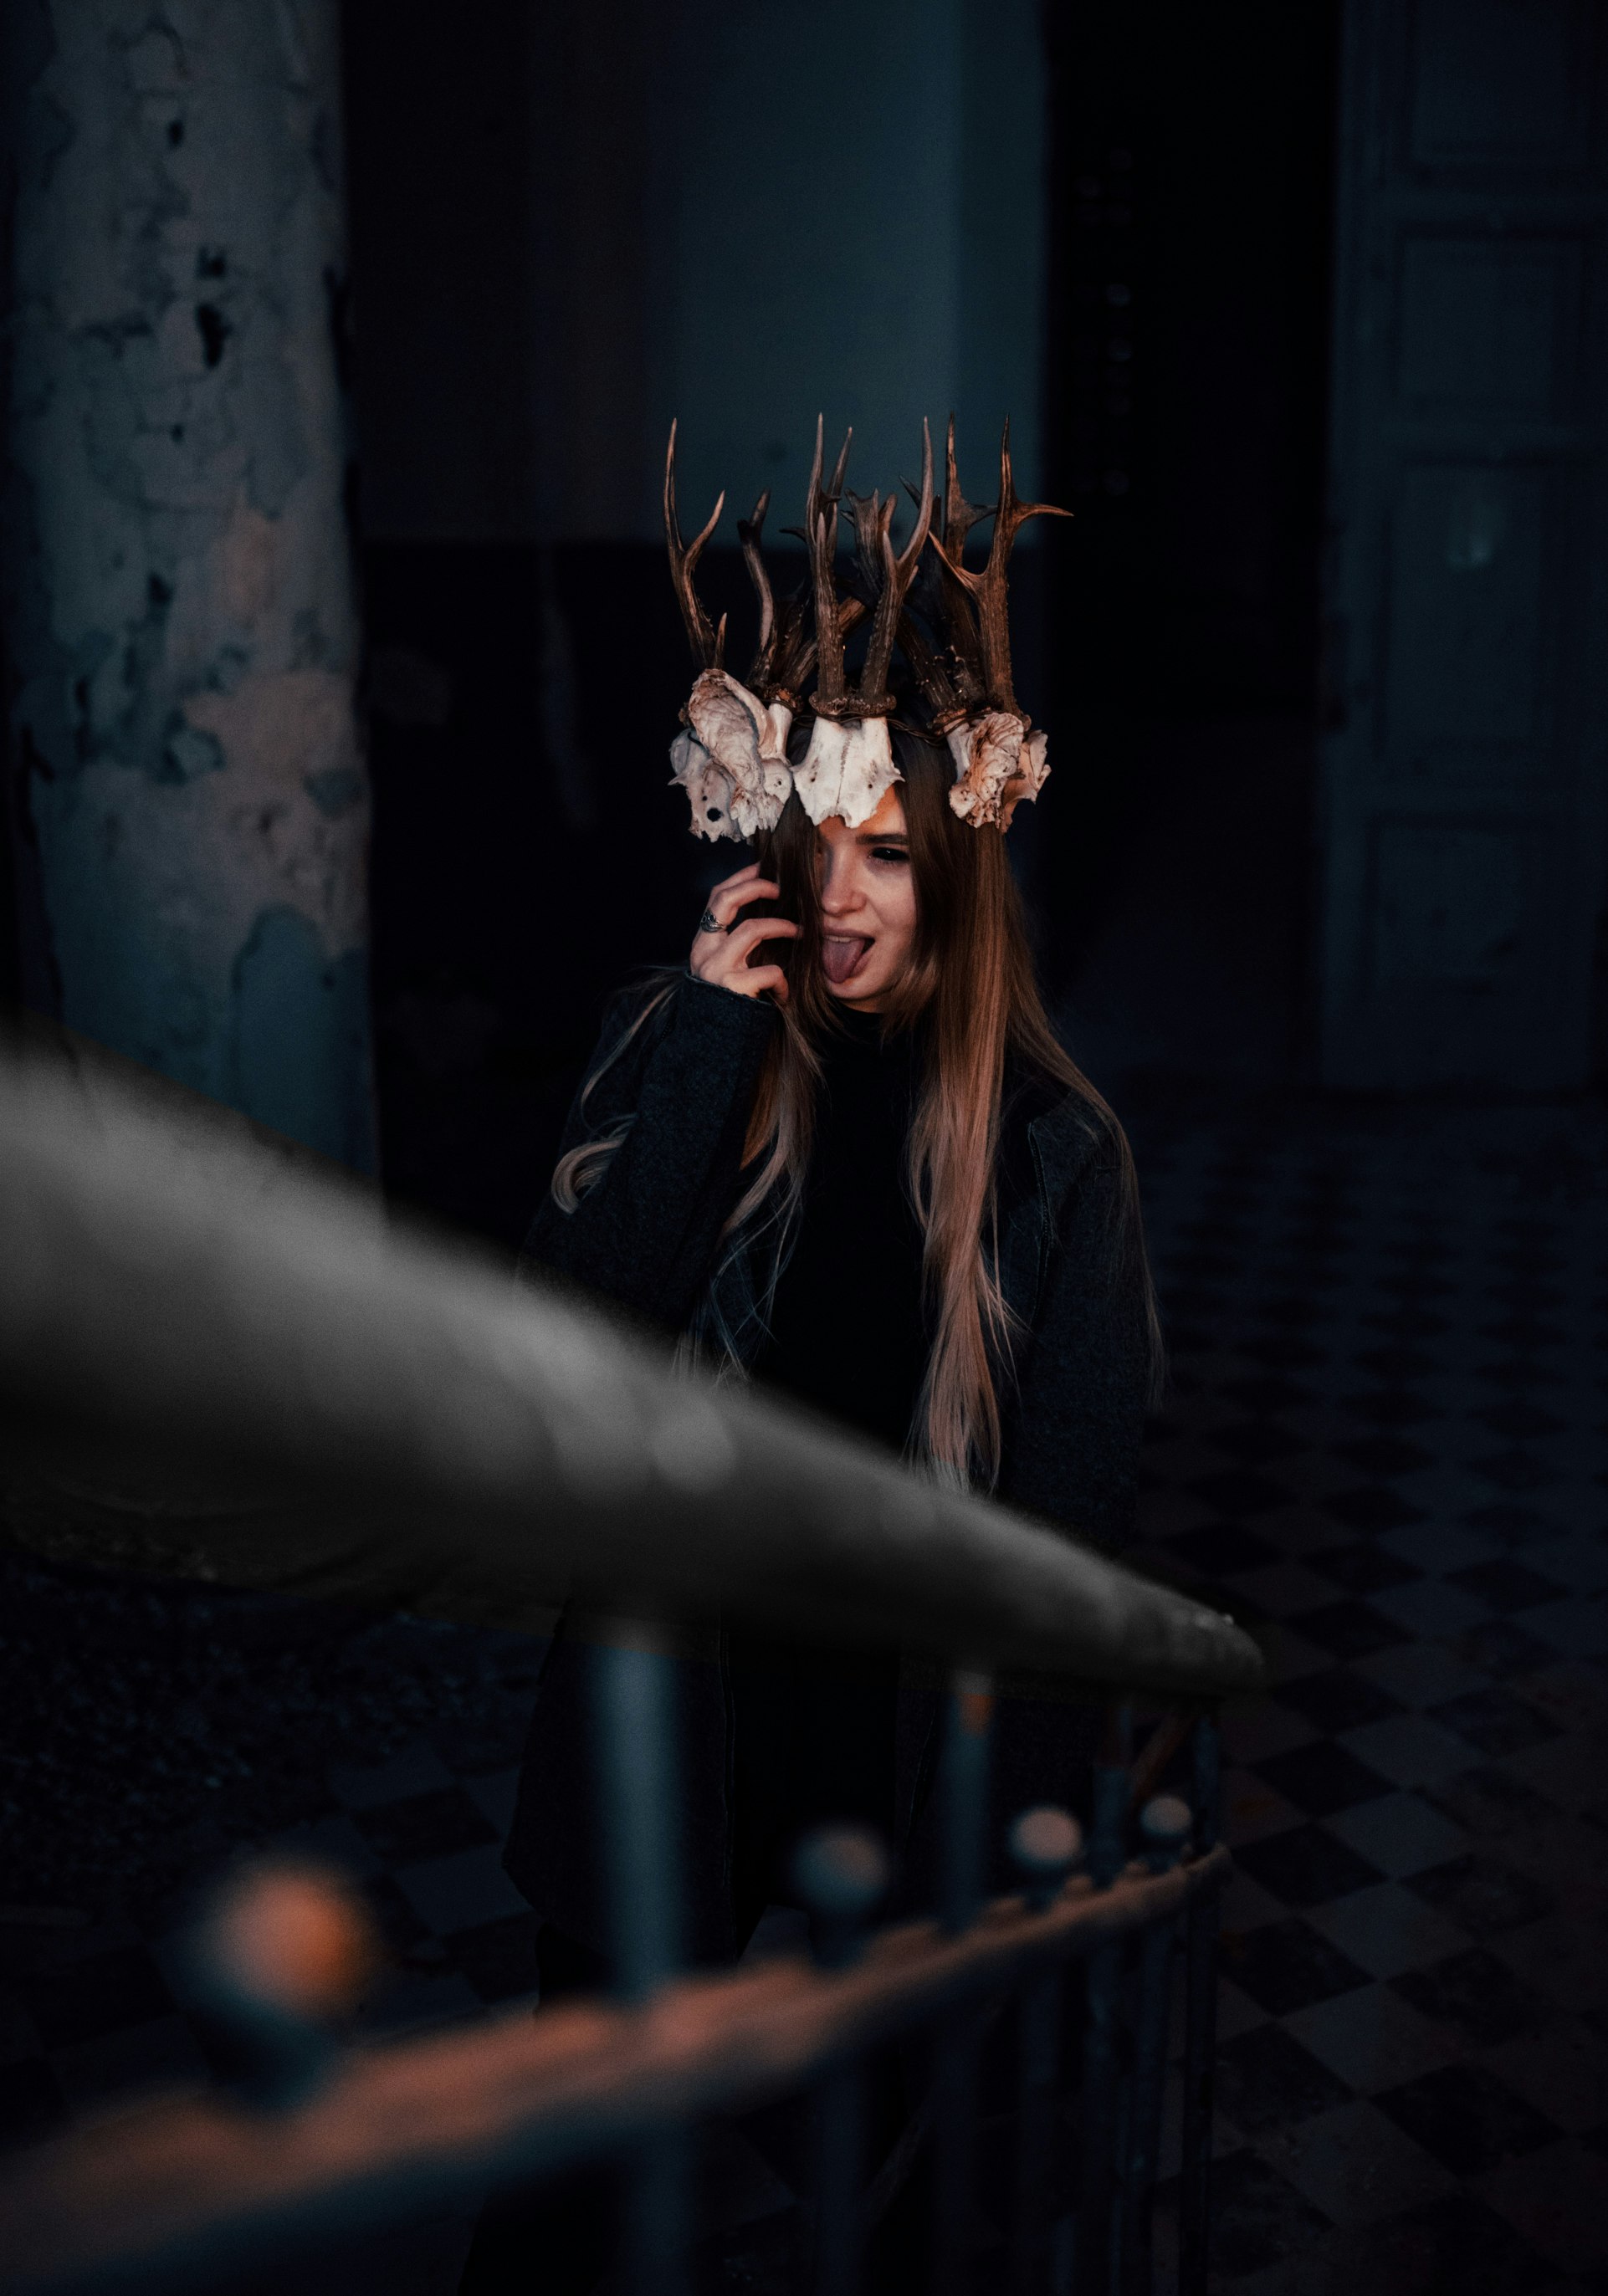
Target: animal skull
[(1029, 777), (708, 786), (998, 763), (733, 764), (847, 770)]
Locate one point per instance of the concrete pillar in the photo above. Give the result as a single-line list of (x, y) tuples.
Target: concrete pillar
[(190, 802)]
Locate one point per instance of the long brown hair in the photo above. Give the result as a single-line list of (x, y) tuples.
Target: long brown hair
[(971, 989)]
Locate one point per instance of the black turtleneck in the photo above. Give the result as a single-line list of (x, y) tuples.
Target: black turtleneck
[(813, 1735), (847, 1331), (814, 1731)]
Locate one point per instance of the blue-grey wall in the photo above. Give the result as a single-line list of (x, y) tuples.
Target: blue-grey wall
[(189, 798), (740, 212), (845, 216)]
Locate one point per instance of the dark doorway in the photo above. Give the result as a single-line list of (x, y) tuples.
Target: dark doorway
[(1188, 305), (521, 692)]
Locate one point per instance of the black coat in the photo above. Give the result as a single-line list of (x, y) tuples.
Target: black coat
[(1072, 1268)]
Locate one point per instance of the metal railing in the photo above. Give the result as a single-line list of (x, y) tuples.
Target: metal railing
[(382, 1418)]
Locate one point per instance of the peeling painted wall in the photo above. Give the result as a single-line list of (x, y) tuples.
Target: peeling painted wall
[(190, 793)]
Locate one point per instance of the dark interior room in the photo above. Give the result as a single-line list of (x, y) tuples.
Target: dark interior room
[(342, 671)]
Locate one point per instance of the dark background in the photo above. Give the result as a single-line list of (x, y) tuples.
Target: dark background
[(1382, 1447), (522, 690)]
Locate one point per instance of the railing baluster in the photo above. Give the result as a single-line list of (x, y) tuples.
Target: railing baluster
[(635, 1721), (634, 1724), (839, 2155), (281, 1955), (657, 2225), (954, 2055), (1047, 1844), (1106, 1857), (841, 1873), (1123, 2127), (1199, 2026), (1164, 1824), (1038, 2065), (964, 1784), (965, 1791)]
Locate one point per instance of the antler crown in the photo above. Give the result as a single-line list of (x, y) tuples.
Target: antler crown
[(949, 622)]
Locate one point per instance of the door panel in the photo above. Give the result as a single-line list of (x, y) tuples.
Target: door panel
[(1489, 329), (1465, 767), (1467, 669), (1499, 83)]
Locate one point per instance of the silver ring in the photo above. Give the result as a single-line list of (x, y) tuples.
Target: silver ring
[(709, 923)]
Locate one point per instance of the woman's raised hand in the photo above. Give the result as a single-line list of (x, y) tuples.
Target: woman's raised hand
[(722, 946)]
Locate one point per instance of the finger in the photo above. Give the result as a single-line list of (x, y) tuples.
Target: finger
[(758, 978), (712, 952), (753, 930), (734, 883), (727, 900)]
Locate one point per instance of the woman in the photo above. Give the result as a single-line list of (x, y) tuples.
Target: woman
[(842, 1153)]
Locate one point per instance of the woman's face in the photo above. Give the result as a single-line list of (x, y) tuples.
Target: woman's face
[(867, 899)]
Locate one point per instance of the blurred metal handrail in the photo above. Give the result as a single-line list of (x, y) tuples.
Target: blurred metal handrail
[(476, 1450), (313, 1400), (174, 2183)]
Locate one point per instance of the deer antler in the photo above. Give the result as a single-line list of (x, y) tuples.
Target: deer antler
[(708, 642), (821, 539), (930, 673), (874, 521), (750, 533), (960, 516), (786, 651), (952, 606), (987, 590), (850, 764)]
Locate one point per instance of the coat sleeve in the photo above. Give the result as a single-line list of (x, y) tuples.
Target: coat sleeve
[(1072, 1449), (645, 1234)]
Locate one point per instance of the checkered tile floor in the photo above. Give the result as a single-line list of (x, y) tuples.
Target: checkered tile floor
[(92, 2010), (92, 2015), (1385, 1453)]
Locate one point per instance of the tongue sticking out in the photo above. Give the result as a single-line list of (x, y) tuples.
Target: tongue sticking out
[(841, 956)]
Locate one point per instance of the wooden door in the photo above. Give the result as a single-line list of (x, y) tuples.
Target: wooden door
[(1466, 746)]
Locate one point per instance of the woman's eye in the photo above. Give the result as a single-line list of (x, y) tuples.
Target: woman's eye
[(889, 853)]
